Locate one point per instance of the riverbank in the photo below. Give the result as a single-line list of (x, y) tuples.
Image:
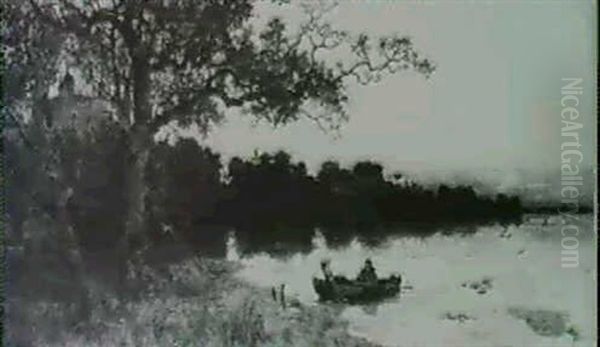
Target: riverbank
[(197, 302)]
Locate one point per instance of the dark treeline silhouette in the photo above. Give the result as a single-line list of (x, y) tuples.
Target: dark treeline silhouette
[(269, 191), (274, 204)]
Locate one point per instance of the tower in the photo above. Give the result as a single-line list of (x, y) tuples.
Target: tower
[(67, 86)]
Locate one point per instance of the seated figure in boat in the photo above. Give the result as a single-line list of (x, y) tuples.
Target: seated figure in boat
[(367, 273), (326, 270)]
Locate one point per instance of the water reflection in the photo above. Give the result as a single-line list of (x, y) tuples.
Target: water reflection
[(277, 242), (522, 261), (284, 242)]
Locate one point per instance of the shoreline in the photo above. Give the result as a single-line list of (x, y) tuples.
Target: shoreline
[(196, 302)]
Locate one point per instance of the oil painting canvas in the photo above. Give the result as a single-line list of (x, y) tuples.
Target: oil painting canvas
[(241, 173)]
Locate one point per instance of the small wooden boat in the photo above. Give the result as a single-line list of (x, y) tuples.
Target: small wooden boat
[(342, 289)]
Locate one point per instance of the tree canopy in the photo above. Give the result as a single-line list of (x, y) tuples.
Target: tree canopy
[(188, 60), (185, 61)]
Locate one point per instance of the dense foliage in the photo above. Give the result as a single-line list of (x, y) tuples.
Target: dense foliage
[(270, 190)]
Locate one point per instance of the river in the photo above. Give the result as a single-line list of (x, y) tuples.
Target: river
[(439, 305)]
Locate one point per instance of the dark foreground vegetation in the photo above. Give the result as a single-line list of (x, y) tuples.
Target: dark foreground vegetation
[(197, 302)]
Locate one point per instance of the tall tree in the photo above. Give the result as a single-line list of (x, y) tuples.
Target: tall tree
[(159, 61)]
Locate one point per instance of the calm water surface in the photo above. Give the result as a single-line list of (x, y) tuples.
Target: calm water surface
[(523, 261)]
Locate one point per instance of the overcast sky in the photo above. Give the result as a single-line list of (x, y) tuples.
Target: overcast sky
[(493, 103)]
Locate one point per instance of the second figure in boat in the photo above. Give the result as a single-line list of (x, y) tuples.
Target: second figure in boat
[(367, 273)]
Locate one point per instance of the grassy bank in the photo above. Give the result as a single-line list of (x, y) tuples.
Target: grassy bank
[(194, 303)]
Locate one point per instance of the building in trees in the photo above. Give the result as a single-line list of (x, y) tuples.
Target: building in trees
[(70, 109)]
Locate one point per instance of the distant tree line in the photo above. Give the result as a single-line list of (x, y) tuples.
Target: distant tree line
[(190, 187)]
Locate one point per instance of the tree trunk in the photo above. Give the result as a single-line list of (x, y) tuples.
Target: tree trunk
[(134, 237), (71, 252), (140, 142)]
